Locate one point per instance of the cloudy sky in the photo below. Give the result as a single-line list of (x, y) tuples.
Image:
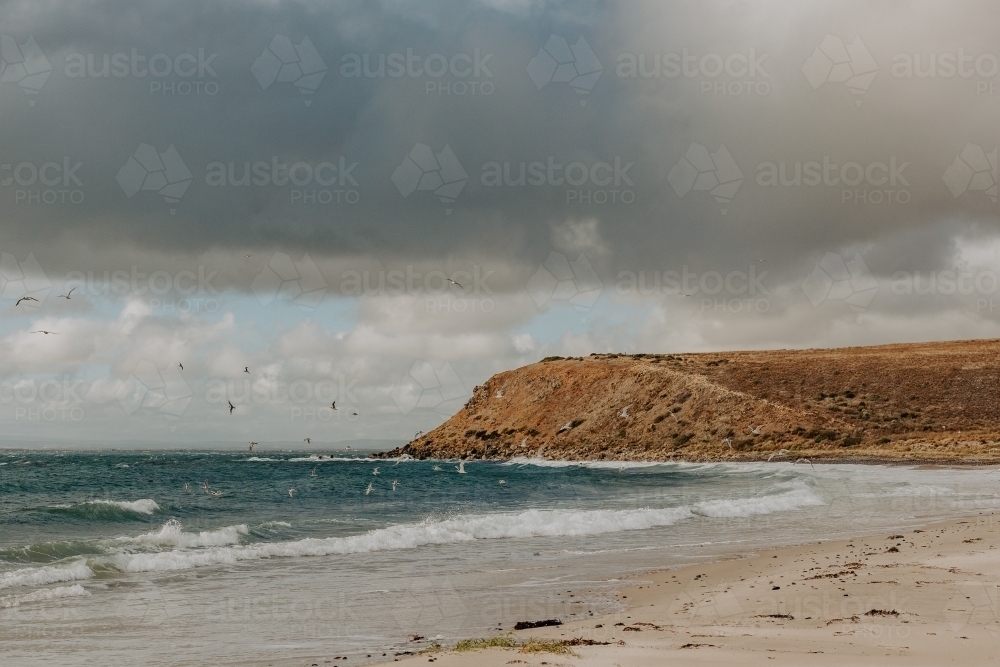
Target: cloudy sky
[(291, 188)]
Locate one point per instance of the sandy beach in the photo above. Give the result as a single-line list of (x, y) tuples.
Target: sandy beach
[(923, 597)]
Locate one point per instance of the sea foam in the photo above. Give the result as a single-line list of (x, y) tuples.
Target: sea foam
[(48, 574)]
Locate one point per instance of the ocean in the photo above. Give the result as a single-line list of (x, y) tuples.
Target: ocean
[(128, 557)]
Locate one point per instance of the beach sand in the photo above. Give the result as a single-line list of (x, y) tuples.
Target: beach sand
[(923, 597)]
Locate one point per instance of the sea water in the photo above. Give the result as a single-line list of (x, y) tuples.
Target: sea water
[(195, 557)]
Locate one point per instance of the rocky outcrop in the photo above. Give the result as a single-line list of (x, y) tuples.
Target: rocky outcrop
[(926, 402)]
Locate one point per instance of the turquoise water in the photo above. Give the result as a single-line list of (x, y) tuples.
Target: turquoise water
[(127, 556)]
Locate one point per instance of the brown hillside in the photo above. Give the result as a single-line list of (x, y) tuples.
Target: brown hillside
[(930, 402)]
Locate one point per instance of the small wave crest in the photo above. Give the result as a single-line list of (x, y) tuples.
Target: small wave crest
[(746, 507), (108, 509), (172, 534), (48, 574), (596, 465), (76, 590)]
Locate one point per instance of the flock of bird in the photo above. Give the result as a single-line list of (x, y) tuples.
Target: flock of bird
[(66, 296)]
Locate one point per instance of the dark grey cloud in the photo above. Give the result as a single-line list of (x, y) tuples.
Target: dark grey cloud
[(763, 82)]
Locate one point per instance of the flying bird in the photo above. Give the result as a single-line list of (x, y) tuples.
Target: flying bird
[(418, 434), (291, 493), (780, 452), (66, 295), (24, 298), (499, 393), (565, 427), (46, 332), (354, 414), (729, 442), (395, 483), (307, 440), (313, 473), (624, 413), (369, 489), (460, 467), (251, 445), (806, 461), (438, 468), (246, 369), (503, 482), (455, 283), (375, 471), (181, 365), (756, 430), (674, 415), (333, 406), (231, 407)]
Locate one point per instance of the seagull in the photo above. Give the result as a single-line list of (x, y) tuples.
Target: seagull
[(375, 471), (251, 445), (395, 483), (499, 393), (729, 442), (460, 467), (181, 365), (214, 494), (313, 473), (231, 407), (347, 449), (756, 430), (807, 461), (418, 434), (438, 468), (780, 452), (503, 481), (333, 406), (674, 415), (624, 413), (454, 283), (369, 489), (187, 487), (246, 369), (46, 332), (291, 493), (66, 295), (354, 414), (565, 427), (24, 298), (760, 260), (307, 440), (524, 443), (246, 255), (683, 294)]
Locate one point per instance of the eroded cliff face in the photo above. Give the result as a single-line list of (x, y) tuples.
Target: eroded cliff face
[(934, 401)]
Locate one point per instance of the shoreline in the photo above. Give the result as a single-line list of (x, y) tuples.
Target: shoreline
[(926, 596)]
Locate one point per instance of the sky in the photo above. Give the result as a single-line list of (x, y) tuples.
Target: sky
[(383, 204)]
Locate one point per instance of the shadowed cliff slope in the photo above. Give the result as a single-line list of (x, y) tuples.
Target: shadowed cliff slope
[(931, 402)]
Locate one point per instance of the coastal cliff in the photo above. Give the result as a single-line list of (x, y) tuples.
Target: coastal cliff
[(912, 402)]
